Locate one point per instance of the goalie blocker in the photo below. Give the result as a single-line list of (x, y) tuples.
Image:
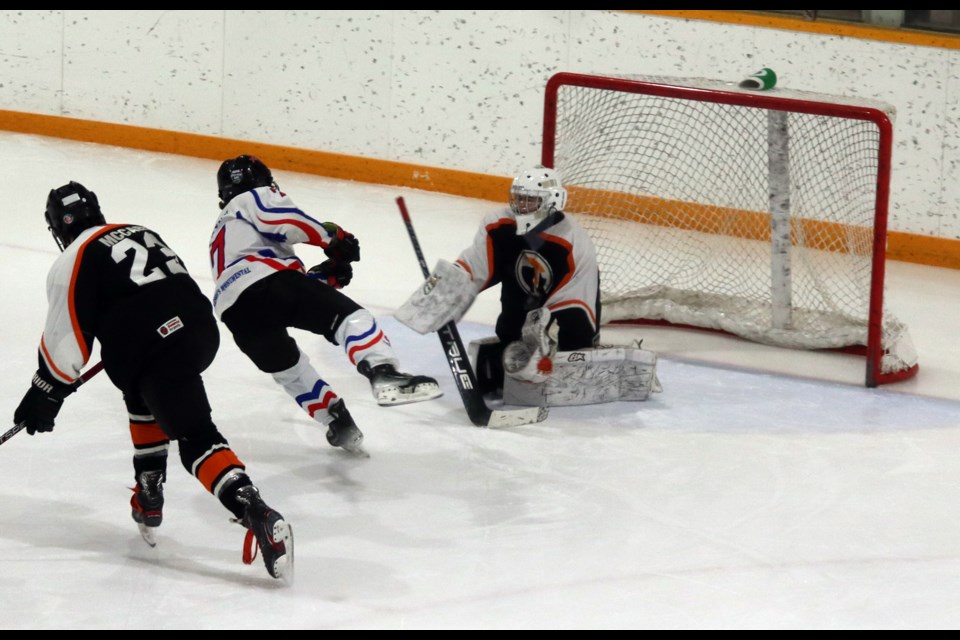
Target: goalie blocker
[(444, 297)]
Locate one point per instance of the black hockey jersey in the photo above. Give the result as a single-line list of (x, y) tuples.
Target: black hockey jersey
[(123, 286)]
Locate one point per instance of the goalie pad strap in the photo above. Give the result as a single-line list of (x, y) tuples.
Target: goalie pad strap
[(444, 296)]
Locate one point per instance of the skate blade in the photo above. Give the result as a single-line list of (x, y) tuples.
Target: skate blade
[(390, 396), (356, 450), (283, 567), (149, 534)]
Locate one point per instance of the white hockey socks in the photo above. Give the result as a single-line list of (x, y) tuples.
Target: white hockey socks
[(308, 389), (362, 339)]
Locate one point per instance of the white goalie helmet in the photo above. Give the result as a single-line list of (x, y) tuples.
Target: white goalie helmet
[(533, 195)]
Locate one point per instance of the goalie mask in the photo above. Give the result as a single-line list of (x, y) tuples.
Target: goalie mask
[(239, 175), (534, 195), (71, 210)]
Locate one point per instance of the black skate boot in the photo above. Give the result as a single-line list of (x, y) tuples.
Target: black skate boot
[(343, 431), (146, 504), (393, 387), (273, 534)]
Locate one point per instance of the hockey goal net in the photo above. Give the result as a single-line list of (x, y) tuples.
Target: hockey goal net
[(760, 214)]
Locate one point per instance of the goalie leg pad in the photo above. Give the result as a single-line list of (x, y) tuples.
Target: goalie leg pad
[(446, 295), (486, 354), (589, 376)]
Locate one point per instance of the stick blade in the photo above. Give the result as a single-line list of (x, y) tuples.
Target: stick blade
[(500, 418)]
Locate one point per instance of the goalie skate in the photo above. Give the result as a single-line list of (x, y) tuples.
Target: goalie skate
[(392, 387)]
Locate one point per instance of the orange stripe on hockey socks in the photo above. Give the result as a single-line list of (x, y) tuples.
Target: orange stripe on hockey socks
[(146, 434), (216, 465)]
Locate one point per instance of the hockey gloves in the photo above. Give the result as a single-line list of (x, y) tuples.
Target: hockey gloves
[(343, 247), (336, 274), (42, 403)]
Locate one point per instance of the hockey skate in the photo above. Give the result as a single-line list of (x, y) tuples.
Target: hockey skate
[(343, 431), (146, 504), (272, 533), (392, 387)]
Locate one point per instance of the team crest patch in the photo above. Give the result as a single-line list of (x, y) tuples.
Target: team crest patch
[(168, 327), (533, 273)]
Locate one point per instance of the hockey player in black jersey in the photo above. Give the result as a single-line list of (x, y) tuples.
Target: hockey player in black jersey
[(546, 349), (263, 288), (121, 285)]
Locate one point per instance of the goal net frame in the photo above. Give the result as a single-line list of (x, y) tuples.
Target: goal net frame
[(888, 359)]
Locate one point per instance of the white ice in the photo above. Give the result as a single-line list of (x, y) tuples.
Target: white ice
[(764, 488)]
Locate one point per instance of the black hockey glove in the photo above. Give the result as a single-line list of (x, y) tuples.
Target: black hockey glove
[(336, 274), (344, 247), (42, 403)]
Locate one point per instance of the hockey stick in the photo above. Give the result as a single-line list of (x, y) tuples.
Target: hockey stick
[(477, 410), (86, 375)]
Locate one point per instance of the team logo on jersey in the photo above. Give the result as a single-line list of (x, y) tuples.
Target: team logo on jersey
[(533, 273), (168, 327)]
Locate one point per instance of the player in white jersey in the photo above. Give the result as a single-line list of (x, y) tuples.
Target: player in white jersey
[(549, 317), (263, 288), (121, 285)]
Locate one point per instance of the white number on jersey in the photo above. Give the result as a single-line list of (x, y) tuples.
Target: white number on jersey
[(140, 273)]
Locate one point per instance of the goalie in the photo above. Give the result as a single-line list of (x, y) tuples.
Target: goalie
[(546, 349)]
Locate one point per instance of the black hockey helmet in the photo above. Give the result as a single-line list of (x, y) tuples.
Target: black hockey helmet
[(72, 209), (239, 175)]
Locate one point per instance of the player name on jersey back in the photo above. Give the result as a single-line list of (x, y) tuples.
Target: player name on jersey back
[(113, 237)]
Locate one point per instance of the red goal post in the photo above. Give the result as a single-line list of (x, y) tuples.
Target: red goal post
[(759, 214)]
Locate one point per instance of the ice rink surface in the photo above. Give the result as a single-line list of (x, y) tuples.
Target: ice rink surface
[(764, 488)]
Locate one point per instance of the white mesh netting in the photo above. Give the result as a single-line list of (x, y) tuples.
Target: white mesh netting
[(677, 195)]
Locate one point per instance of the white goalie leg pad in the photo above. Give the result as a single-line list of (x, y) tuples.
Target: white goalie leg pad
[(476, 346), (444, 296), (486, 356), (589, 376)]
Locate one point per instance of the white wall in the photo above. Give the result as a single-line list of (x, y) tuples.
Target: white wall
[(454, 89)]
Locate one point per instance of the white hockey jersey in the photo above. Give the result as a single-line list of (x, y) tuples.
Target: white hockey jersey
[(254, 238)]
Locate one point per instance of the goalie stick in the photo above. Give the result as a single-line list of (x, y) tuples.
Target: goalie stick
[(86, 375), (477, 410)]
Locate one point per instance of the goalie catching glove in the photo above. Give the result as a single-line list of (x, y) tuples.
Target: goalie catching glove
[(530, 359), (444, 297)]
